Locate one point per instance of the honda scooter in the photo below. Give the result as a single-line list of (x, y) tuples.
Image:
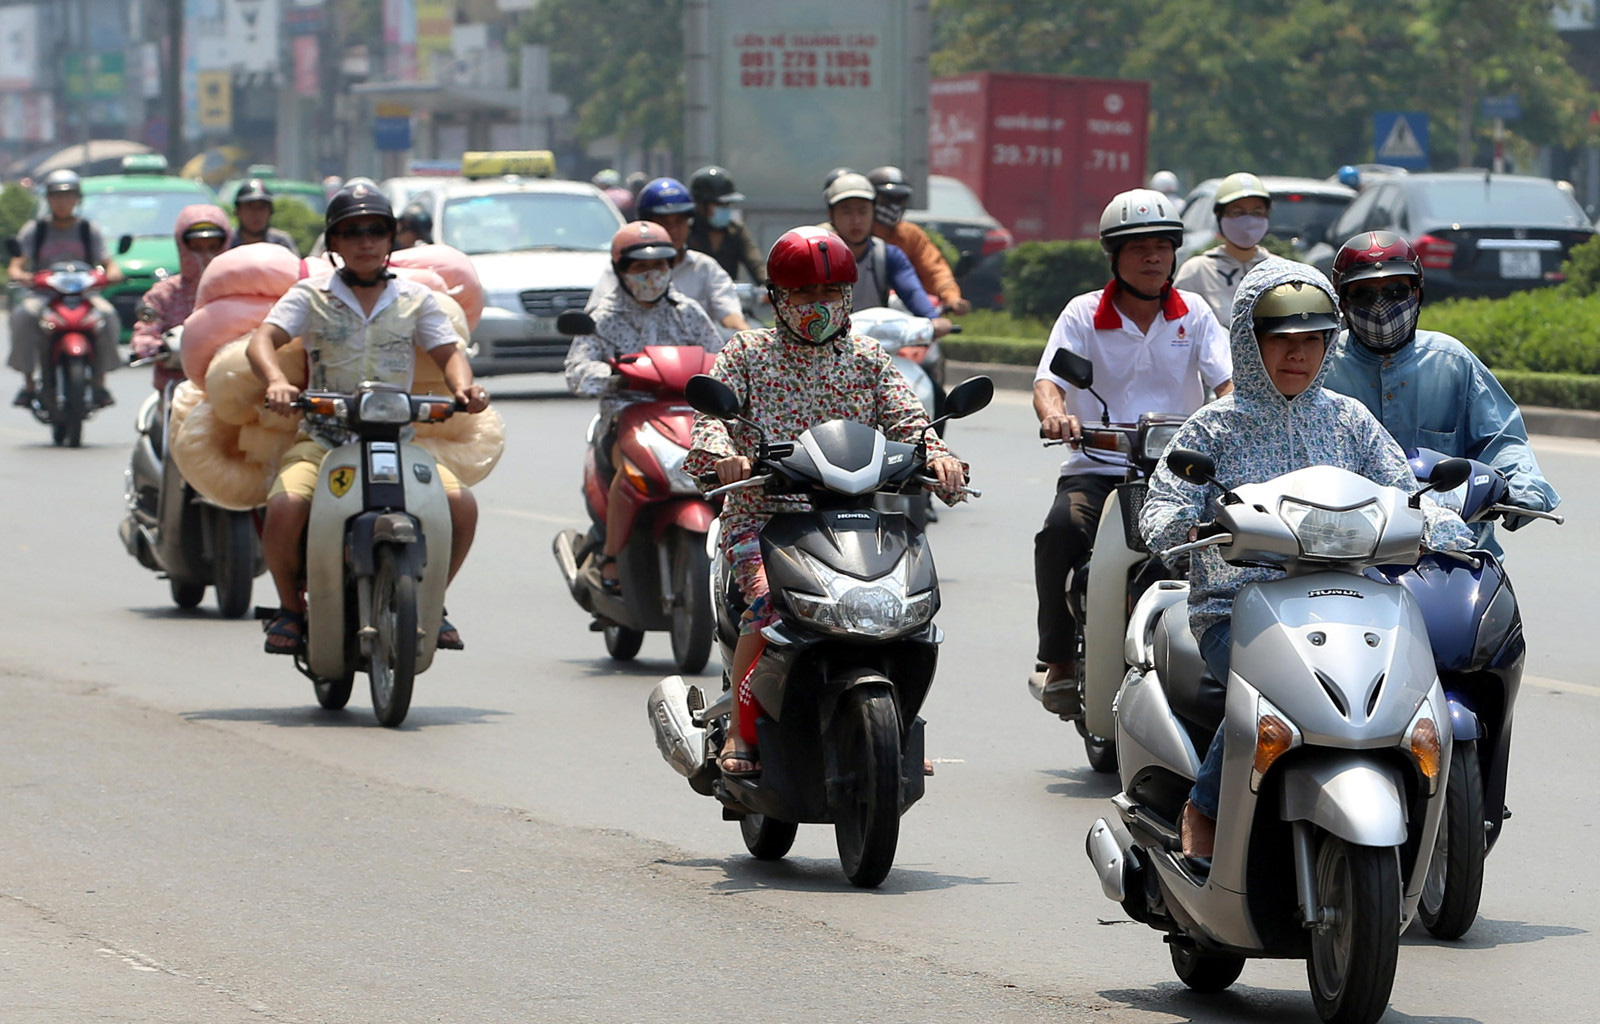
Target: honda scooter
[(1338, 743), (848, 664), (663, 567), (169, 527)]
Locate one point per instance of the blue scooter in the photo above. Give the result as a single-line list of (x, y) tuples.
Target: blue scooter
[(1478, 648)]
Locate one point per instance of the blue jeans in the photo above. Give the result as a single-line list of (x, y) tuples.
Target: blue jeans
[(1214, 647)]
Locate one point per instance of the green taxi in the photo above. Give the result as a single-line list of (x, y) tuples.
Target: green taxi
[(308, 192)]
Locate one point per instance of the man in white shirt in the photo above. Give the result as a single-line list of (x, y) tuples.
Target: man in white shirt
[(1154, 349)]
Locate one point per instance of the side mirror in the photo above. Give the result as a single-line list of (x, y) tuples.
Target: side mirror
[(12, 248), (1192, 465), (1449, 474), (1072, 368), (575, 322), (968, 397), (710, 396), (124, 244)]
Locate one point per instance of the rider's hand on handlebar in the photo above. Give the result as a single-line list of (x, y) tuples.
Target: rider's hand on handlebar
[(473, 398), (732, 469), (941, 326), (1061, 427), (281, 397), (951, 473), (145, 347)]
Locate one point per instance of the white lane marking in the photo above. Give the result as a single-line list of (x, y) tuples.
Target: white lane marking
[(538, 517), (1563, 685)]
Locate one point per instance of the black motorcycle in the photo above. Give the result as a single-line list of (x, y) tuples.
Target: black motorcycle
[(850, 660)]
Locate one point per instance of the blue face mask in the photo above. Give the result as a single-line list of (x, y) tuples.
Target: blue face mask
[(721, 216)]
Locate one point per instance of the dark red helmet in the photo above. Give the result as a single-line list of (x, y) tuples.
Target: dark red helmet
[(1375, 254), (807, 256)]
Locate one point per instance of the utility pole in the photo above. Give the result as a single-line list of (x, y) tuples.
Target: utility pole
[(172, 83)]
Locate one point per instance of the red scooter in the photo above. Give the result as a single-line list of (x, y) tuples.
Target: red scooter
[(663, 566)]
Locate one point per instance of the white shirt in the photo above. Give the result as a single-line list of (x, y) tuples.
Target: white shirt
[(1167, 369), (697, 275)]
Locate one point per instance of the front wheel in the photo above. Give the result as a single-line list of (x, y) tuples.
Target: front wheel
[(392, 666), (233, 567), (623, 643), (73, 403), (1356, 943), (1450, 894), (767, 838), (186, 593), (692, 625), (333, 694), (866, 738)]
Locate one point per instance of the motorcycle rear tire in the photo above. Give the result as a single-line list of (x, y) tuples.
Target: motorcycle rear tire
[(186, 593), (1454, 885), (233, 567), (1352, 961), (866, 741), (74, 402), (692, 622), (333, 694), (1204, 972), (767, 838), (392, 666), (623, 643)]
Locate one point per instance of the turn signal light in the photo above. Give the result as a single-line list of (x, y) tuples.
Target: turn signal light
[(1274, 738), (434, 412), (635, 476), (1425, 747), (322, 406)]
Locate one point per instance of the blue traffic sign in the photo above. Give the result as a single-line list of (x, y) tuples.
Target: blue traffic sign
[(1501, 108), (1401, 139), (391, 134)]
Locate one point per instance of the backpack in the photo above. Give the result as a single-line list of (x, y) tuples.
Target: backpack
[(38, 239)]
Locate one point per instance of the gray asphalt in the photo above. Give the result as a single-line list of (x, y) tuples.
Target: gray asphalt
[(187, 838)]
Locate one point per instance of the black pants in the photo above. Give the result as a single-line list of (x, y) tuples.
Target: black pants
[(1066, 539)]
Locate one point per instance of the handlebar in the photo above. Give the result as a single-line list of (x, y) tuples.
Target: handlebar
[(738, 485), (1529, 513)]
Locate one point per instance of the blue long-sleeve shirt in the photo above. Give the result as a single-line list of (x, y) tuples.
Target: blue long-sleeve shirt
[(1434, 393), (884, 267)]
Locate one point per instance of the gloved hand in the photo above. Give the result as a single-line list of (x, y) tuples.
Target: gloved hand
[(144, 346)]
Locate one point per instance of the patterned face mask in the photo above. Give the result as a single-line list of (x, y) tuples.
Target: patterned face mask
[(649, 285), (1385, 325), (815, 323)]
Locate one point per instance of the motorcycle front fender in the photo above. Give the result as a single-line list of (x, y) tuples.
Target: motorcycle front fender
[(73, 345), (1355, 799), (1464, 724), (691, 514)]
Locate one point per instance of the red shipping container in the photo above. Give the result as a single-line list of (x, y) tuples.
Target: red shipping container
[(1045, 153)]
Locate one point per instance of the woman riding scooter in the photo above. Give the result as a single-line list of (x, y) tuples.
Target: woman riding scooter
[(202, 233), (644, 310)]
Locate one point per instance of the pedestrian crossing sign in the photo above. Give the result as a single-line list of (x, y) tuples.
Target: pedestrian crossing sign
[(1400, 138)]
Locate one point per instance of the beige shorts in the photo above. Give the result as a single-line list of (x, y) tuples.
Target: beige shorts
[(297, 473)]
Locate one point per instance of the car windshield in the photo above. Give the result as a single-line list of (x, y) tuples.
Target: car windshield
[(140, 214), (948, 197), (513, 221), (1295, 212), (1523, 203)]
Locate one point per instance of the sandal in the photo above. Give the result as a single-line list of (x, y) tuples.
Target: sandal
[(735, 756), (287, 625), (445, 629), (610, 584)]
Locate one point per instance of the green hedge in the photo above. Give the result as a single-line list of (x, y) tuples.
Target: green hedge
[(1040, 277), (1546, 330), (17, 206)]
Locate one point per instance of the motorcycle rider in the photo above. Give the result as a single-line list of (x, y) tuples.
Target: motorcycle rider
[(202, 232), (645, 310), (358, 323), (1425, 387), (60, 236), (610, 182), (415, 226), (1166, 183), (667, 202), (1280, 418), (253, 205), (889, 223), (880, 266), (1155, 349), (808, 369), (1241, 207), (715, 232)]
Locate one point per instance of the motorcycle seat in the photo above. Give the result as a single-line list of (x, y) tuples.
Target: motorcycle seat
[(1192, 691)]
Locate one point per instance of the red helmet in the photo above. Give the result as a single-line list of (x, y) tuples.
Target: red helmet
[(642, 240), (1375, 254), (807, 256)]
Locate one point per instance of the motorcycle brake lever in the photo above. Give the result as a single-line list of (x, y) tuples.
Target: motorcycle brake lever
[(739, 485)]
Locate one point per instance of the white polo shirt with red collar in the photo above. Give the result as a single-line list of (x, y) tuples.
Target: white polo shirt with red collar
[(1170, 368)]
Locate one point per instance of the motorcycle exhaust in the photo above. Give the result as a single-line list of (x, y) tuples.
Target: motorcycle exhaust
[(1115, 860), (681, 742), (567, 560)]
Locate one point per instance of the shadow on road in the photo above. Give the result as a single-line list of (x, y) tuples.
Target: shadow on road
[(1244, 1004), (205, 610), (814, 874), (1487, 934), (1081, 783), (602, 667), (353, 715)]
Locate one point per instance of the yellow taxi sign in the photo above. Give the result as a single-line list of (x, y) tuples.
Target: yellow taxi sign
[(538, 163)]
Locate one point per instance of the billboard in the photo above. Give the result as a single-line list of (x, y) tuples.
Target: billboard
[(19, 47)]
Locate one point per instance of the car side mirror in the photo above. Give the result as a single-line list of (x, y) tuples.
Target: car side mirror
[(710, 396), (124, 244), (968, 397), (574, 323), (1072, 368)]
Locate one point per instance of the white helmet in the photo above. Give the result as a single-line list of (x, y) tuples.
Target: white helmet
[(1136, 212), (1164, 181)]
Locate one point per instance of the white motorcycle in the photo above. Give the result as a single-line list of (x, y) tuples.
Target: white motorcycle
[(914, 350), (1338, 744)]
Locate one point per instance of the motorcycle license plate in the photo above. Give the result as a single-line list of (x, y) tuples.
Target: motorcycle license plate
[(1520, 264), (543, 326)]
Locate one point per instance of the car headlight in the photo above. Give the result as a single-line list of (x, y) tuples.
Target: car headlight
[(385, 407), (670, 455), (875, 608), (1157, 437), (1333, 533)]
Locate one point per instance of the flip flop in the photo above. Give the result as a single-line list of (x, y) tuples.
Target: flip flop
[(611, 585), (749, 756), (279, 627), (449, 645)]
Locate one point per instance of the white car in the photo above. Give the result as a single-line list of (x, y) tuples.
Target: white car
[(539, 246)]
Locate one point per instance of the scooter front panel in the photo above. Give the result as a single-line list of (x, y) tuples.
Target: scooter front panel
[(427, 502), (1107, 613), (339, 495)]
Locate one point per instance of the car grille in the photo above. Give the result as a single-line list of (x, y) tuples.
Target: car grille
[(552, 302)]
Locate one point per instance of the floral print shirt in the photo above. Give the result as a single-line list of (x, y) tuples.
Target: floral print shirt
[(788, 387)]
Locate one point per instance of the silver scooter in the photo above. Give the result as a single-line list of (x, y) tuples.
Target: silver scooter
[(909, 340), (1338, 744)]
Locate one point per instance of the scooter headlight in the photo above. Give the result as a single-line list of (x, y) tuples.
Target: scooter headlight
[(385, 407), (1424, 742), (876, 608), (1333, 533), (1275, 737), (670, 455)]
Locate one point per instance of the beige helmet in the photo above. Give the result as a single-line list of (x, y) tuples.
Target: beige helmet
[(1136, 212), (1236, 186), (849, 185), (1295, 307)]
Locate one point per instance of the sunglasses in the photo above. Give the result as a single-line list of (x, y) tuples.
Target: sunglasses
[(1394, 291), (370, 231)]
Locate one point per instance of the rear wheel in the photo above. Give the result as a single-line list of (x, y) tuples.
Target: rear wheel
[(623, 643), (692, 624), (233, 569), (1204, 972), (186, 593), (334, 694), (767, 838), (1357, 940), (391, 668), (866, 739), (1454, 884)]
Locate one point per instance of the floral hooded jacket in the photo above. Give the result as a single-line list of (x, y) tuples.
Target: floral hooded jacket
[(1255, 434)]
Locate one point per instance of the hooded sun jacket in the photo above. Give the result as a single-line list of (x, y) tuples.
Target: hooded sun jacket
[(1255, 434), (171, 300)]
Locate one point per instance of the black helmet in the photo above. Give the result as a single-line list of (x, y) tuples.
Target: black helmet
[(416, 219), (253, 191), (358, 200), (890, 183), (62, 180), (713, 184)]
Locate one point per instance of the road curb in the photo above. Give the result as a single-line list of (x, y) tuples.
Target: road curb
[(1539, 419)]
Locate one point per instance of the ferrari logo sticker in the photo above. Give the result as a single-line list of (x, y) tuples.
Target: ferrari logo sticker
[(340, 480)]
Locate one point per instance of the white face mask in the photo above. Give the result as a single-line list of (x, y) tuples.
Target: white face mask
[(1244, 232), (649, 285)]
